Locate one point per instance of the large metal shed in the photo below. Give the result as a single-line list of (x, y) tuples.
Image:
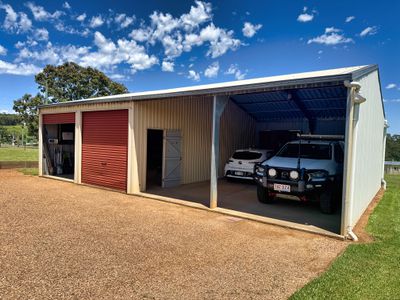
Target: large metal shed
[(107, 140)]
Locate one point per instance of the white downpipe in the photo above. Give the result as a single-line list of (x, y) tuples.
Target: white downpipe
[(353, 106), (383, 181)]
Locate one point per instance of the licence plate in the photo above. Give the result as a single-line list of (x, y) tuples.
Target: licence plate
[(239, 173), (281, 187)]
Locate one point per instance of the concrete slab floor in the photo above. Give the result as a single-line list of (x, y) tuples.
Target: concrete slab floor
[(241, 196)]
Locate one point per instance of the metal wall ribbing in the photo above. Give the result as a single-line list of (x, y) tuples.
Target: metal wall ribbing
[(191, 115), (368, 148)]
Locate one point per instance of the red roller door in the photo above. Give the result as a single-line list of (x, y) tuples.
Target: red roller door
[(105, 148), (66, 118)]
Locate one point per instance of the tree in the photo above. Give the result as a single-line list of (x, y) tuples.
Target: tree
[(4, 136), (70, 81), (8, 119), (27, 109), (392, 147)]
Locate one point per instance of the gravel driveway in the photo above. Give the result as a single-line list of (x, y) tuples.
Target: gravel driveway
[(64, 241)]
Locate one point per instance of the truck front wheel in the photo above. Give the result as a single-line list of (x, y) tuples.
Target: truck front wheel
[(326, 202), (262, 194)]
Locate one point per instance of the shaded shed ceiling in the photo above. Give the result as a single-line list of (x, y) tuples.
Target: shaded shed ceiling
[(304, 103)]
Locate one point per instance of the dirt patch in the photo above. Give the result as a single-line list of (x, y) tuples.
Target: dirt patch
[(59, 240), (359, 229)]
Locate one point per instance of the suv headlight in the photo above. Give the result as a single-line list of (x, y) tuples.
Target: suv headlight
[(318, 175), (271, 172), (260, 170), (294, 175)]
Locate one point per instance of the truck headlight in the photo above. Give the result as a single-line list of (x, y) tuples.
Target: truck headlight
[(271, 172), (294, 175), (318, 175)]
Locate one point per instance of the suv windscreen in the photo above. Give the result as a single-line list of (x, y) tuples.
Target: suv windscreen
[(311, 151), (246, 155)]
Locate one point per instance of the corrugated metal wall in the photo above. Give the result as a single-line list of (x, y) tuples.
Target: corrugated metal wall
[(85, 107), (238, 131), (191, 115), (369, 146)]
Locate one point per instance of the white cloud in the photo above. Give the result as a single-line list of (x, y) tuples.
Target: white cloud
[(117, 77), (110, 54), (391, 86), (249, 30), (197, 15), (25, 23), (18, 69), (349, 19), (96, 22), (305, 17), (66, 5), (392, 100), (163, 24), (40, 14), (123, 20), (172, 46), (167, 66), (15, 22), (81, 17), (104, 45), (179, 35), (220, 40), (41, 34), (332, 36), (48, 55), (141, 34), (234, 70), (369, 31), (194, 75), (212, 70), (30, 43), (3, 51), (70, 30), (106, 56)]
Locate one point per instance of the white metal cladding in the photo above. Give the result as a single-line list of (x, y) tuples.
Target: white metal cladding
[(369, 146)]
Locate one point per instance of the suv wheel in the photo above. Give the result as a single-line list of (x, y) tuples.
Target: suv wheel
[(326, 202), (262, 194)]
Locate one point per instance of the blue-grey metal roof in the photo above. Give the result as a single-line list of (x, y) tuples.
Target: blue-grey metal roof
[(304, 103)]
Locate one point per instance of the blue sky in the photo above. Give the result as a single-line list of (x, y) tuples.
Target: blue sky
[(163, 44)]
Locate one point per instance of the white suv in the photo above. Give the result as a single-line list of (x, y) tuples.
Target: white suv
[(305, 170), (242, 162)]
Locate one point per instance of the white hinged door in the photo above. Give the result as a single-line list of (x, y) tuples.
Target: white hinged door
[(172, 158)]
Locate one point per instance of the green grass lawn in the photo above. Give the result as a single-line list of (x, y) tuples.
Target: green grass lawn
[(366, 271), (18, 154)]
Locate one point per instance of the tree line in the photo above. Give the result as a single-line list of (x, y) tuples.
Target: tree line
[(392, 147)]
